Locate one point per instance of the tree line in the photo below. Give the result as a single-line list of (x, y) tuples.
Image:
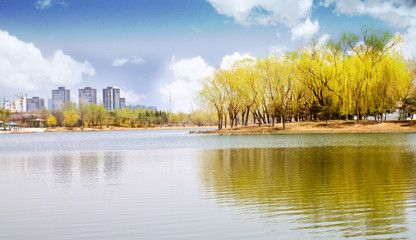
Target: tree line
[(93, 115), (357, 75)]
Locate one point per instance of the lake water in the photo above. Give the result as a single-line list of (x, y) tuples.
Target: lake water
[(166, 184)]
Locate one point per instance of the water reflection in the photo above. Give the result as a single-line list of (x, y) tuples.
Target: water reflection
[(62, 168), (66, 168), (89, 168), (348, 191), (112, 165)]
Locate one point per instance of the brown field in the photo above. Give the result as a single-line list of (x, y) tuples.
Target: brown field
[(364, 126)]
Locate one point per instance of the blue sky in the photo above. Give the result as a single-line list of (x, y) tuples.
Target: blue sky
[(149, 48)]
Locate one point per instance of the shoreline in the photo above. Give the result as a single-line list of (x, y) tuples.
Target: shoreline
[(85, 129), (332, 127), (77, 129)]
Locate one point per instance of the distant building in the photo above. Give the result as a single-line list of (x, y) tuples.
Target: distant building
[(16, 106), (122, 103), (50, 103), (111, 98), (34, 104), (152, 108), (87, 95), (60, 97), (116, 98), (136, 107)]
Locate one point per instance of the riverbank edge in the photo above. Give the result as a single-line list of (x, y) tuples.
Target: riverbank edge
[(335, 127), (284, 132), (64, 129)]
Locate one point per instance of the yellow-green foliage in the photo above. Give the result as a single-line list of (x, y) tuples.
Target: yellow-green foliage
[(322, 80), (5, 114), (70, 117), (51, 121)]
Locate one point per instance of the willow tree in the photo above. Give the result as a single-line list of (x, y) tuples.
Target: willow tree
[(367, 54), (233, 91), (393, 80), (314, 72), (213, 92), (248, 78), (267, 89)]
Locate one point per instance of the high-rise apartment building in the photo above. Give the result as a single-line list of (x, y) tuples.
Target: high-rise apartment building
[(60, 97), (34, 104), (122, 103), (111, 98), (87, 95), (116, 98)]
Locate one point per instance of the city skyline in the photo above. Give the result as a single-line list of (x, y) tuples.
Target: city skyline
[(60, 96), (153, 49)]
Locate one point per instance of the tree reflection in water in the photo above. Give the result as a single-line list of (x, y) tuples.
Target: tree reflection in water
[(355, 191)]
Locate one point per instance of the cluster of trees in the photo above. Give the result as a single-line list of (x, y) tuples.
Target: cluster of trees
[(91, 115), (5, 114), (357, 75)]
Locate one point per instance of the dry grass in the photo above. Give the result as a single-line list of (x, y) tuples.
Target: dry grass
[(364, 126)]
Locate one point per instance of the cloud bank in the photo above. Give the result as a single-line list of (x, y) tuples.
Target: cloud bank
[(264, 12), (186, 76), (23, 67), (305, 30), (398, 13), (292, 14), (131, 97)]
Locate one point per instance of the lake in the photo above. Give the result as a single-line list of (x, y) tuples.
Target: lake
[(167, 184)]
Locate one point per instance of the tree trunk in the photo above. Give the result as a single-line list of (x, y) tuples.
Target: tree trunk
[(243, 115), (358, 116), (272, 121), (225, 120), (247, 114), (382, 117), (219, 121), (283, 122)]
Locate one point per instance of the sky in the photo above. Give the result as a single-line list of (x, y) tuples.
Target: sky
[(152, 49)]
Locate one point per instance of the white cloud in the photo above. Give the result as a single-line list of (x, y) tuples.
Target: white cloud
[(192, 69), (137, 60), (117, 62), (277, 50), (185, 85), (228, 61), (397, 13), (42, 4), (131, 97), (305, 30), (187, 76), (264, 12), (23, 67)]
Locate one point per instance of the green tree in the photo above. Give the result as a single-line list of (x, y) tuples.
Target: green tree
[(82, 112), (101, 114)]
